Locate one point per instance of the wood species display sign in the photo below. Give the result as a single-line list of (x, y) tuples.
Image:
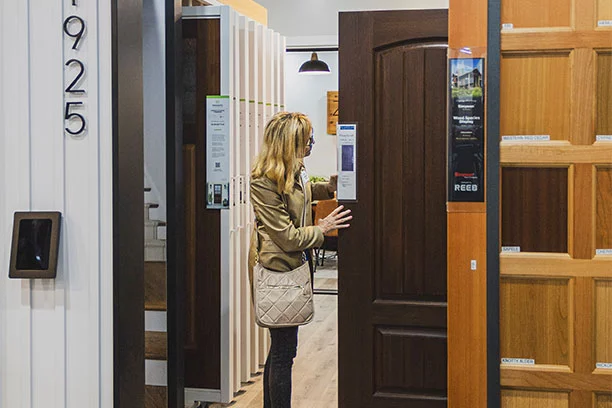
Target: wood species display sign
[(466, 130), (332, 112)]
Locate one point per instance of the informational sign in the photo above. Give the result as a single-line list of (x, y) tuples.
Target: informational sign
[(607, 366), (347, 162), (604, 138), (217, 151), (466, 130)]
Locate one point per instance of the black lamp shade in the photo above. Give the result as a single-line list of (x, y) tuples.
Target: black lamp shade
[(314, 66)]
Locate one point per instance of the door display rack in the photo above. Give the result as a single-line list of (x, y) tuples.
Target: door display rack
[(244, 61)]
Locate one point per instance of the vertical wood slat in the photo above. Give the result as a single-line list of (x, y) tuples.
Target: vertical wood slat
[(245, 316), (583, 326), (582, 211), (189, 174), (253, 136), (467, 324), (582, 116)]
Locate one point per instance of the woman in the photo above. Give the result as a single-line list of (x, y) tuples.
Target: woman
[(279, 191)]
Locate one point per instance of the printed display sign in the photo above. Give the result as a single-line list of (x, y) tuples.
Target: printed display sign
[(347, 162), (466, 130), (217, 151)]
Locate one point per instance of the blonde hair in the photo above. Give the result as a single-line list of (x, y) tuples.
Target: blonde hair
[(284, 145)]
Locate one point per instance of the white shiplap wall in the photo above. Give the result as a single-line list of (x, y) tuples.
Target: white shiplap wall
[(56, 336)]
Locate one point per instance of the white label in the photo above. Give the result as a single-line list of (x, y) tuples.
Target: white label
[(604, 23), (606, 366), (511, 249), (508, 26), (473, 265), (347, 161), (217, 151), (520, 361), (526, 138), (604, 138), (603, 252)]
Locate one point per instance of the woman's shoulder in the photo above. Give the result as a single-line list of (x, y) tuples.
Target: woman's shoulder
[(263, 182)]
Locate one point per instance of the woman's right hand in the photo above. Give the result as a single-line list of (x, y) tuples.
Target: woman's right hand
[(336, 220)]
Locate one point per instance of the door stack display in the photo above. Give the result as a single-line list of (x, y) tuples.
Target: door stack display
[(556, 203), (237, 64)]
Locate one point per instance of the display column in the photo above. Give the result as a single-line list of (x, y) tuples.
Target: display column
[(466, 205)]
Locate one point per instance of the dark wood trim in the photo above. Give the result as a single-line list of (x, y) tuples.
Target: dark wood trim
[(128, 204), (176, 205), (493, 197)]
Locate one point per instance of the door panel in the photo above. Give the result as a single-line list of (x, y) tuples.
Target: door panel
[(555, 307), (393, 84)]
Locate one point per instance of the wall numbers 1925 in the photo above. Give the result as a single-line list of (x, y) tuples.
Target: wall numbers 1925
[(76, 123)]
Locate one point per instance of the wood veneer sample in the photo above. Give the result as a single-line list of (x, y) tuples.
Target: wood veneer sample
[(534, 208), (535, 94), (604, 209), (603, 120)]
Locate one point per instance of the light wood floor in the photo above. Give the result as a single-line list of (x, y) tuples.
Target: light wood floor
[(315, 373)]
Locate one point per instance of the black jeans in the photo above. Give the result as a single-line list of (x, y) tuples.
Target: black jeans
[(279, 364)]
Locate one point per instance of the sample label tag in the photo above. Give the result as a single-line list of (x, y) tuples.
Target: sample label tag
[(519, 361), (526, 138), (347, 161), (604, 138), (604, 23), (604, 365), (603, 252), (217, 151), (508, 26), (514, 249)]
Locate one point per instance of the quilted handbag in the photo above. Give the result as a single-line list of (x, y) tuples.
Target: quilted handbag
[(283, 299)]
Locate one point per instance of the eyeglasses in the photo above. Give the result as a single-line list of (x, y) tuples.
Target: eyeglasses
[(311, 141)]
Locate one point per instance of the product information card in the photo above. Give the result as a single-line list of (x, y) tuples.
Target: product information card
[(466, 130), (217, 151), (347, 162)]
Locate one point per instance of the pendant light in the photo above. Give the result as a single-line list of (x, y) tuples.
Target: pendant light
[(314, 67)]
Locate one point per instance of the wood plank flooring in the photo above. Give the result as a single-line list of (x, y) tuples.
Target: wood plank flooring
[(315, 373)]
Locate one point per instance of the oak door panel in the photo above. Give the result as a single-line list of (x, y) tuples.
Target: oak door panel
[(535, 94), (604, 208), (539, 329), (604, 93), (541, 13), (534, 399)]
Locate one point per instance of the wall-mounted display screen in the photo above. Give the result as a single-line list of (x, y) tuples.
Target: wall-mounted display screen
[(35, 245)]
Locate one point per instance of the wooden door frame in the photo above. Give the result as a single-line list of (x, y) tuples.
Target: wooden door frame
[(175, 251), (493, 204), (128, 204)]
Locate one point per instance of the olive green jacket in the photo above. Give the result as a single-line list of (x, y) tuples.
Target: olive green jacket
[(277, 220)]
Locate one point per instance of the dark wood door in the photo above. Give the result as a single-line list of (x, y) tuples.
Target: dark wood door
[(392, 287)]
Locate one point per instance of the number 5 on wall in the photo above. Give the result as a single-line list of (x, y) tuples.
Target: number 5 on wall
[(74, 116)]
